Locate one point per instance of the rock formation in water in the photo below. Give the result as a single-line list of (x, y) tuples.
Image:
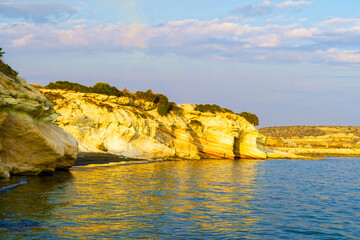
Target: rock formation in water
[(133, 128), (336, 141), (30, 142)]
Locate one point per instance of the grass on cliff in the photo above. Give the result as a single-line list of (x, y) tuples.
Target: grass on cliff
[(100, 88), (162, 102), (7, 70), (213, 108)]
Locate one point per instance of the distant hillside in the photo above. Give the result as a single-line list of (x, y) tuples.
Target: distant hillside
[(303, 131), (314, 140)]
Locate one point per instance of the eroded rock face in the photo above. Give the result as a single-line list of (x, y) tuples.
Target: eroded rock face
[(134, 129), (30, 142)]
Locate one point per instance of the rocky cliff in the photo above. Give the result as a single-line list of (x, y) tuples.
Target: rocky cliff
[(30, 142), (336, 141), (133, 128)]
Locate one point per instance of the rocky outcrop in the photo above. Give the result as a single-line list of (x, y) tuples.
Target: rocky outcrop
[(133, 128), (30, 142)]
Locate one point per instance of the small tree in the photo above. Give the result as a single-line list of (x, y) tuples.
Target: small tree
[(105, 88), (6, 69), (1, 53), (250, 117)]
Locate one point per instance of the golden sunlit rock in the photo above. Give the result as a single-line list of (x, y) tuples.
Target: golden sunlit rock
[(133, 128), (30, 142)]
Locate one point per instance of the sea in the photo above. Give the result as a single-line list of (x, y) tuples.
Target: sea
[(187, 199)]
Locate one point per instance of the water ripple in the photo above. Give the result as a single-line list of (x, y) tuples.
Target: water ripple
[(209, 199)]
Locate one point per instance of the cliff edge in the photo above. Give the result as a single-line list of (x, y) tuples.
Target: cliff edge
[(133, 127), (30, 142)]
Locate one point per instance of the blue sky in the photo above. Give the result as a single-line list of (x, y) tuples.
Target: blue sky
[(290, 62)]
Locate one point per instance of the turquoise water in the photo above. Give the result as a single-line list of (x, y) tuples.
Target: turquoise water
[(207, 199)]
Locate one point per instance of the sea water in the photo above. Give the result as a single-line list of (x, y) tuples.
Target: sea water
[(202, 199)]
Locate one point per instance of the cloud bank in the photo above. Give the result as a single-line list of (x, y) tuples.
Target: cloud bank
[(38, 12), (324, 42), (267, 7)]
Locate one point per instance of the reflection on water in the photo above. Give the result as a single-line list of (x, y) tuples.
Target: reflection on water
[(222, 199), (30, 207), (162, 198)]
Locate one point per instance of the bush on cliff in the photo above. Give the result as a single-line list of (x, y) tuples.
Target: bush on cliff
[(162, 102), (65, 85), (100, 88), (6, 69), (1, 53), (148, 96), (164, 106), (105, 88), (250, 117), (213, 108)]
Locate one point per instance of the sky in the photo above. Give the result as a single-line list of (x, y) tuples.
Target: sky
[(289, 62)]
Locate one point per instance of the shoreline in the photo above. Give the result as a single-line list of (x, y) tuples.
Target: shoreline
[(321, 152), (87, 158)]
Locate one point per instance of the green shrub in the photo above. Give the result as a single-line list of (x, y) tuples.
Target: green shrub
[(163, 104), (6, 69), (148, 96), (1, 53), (65, 85), (105, 88), (100, 88), (250, 117), (213, 108)]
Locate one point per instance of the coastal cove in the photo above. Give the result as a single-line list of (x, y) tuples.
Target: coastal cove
[(201, 199), (41, 134), (177, 120)]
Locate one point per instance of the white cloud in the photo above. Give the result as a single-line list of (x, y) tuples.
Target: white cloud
[(39, 12), (340, 21), (287, 4), (341, 56), (136, 36), (300, 32), (22, 41), (267, 7), (222, 39)]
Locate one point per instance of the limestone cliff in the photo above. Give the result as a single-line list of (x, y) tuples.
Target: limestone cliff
[(133, 128), (30, 142), (337, 141)]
